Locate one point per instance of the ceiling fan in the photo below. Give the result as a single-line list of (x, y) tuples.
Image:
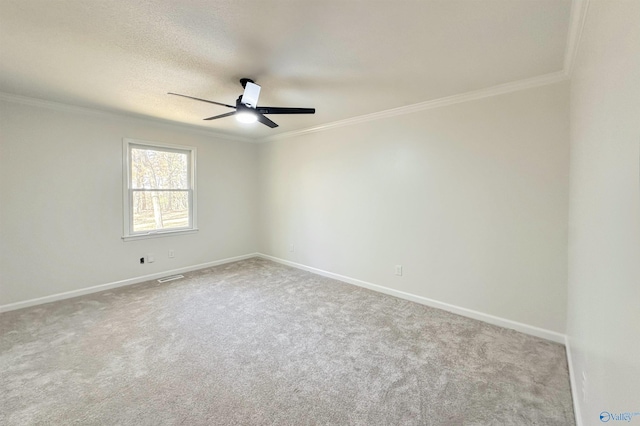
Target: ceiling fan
[(247, 109)]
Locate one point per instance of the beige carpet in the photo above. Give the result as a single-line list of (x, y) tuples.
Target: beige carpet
[(258, 343)]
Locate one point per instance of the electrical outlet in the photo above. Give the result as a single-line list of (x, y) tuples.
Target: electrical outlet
[(292, 248), (399, 270), (151, 258), (172, 254)]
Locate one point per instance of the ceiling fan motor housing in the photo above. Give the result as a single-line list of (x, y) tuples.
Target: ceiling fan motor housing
[(251, 93)]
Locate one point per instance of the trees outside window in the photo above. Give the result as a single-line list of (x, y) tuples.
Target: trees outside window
[(160, 182)]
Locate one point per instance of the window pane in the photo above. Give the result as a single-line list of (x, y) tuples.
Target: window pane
[(160, 210), (156, 169)]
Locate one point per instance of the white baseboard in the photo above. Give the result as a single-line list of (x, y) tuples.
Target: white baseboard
[(574, 384), (491, 319), (122, 283)]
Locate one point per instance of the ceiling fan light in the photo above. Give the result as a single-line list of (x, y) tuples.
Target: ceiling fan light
[(246, 117)]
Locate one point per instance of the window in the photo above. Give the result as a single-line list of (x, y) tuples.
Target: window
[(159, 189)]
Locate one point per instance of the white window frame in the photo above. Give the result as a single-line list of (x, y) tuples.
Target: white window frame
[(127, 192)]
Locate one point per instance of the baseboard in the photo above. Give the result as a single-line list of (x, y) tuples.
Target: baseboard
[(122, 283), (572, 381), (481, 316), (491, 319)]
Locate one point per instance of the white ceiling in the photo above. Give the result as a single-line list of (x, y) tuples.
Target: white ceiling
[(345, 58)]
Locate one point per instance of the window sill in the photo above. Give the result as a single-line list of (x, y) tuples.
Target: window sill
[(157, 234)]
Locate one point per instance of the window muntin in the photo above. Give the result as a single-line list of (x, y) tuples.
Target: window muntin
[(160, 185)]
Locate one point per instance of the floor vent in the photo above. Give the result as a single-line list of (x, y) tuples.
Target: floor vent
[(171, 278)]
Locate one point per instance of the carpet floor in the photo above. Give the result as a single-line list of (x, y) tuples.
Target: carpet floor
[(258, 343)]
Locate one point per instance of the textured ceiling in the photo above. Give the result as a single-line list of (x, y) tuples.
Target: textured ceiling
[(345, 58)]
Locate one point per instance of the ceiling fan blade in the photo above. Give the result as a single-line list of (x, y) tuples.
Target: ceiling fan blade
[(264, 120), (202, 100), (220, 116), (281, 110)]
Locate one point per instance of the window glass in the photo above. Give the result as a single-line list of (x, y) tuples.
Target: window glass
[(160, 188)]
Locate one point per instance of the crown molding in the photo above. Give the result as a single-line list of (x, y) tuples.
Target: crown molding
[(435, 103), (577, 21), (576, 25), (500, 89), (59, 106)]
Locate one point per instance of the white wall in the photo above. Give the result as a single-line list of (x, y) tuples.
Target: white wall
[(471, 199), (604, 233), (61, 201)]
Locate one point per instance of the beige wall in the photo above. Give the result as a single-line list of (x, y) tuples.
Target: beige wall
[(61, 201), (471, 199), (604, 237)]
